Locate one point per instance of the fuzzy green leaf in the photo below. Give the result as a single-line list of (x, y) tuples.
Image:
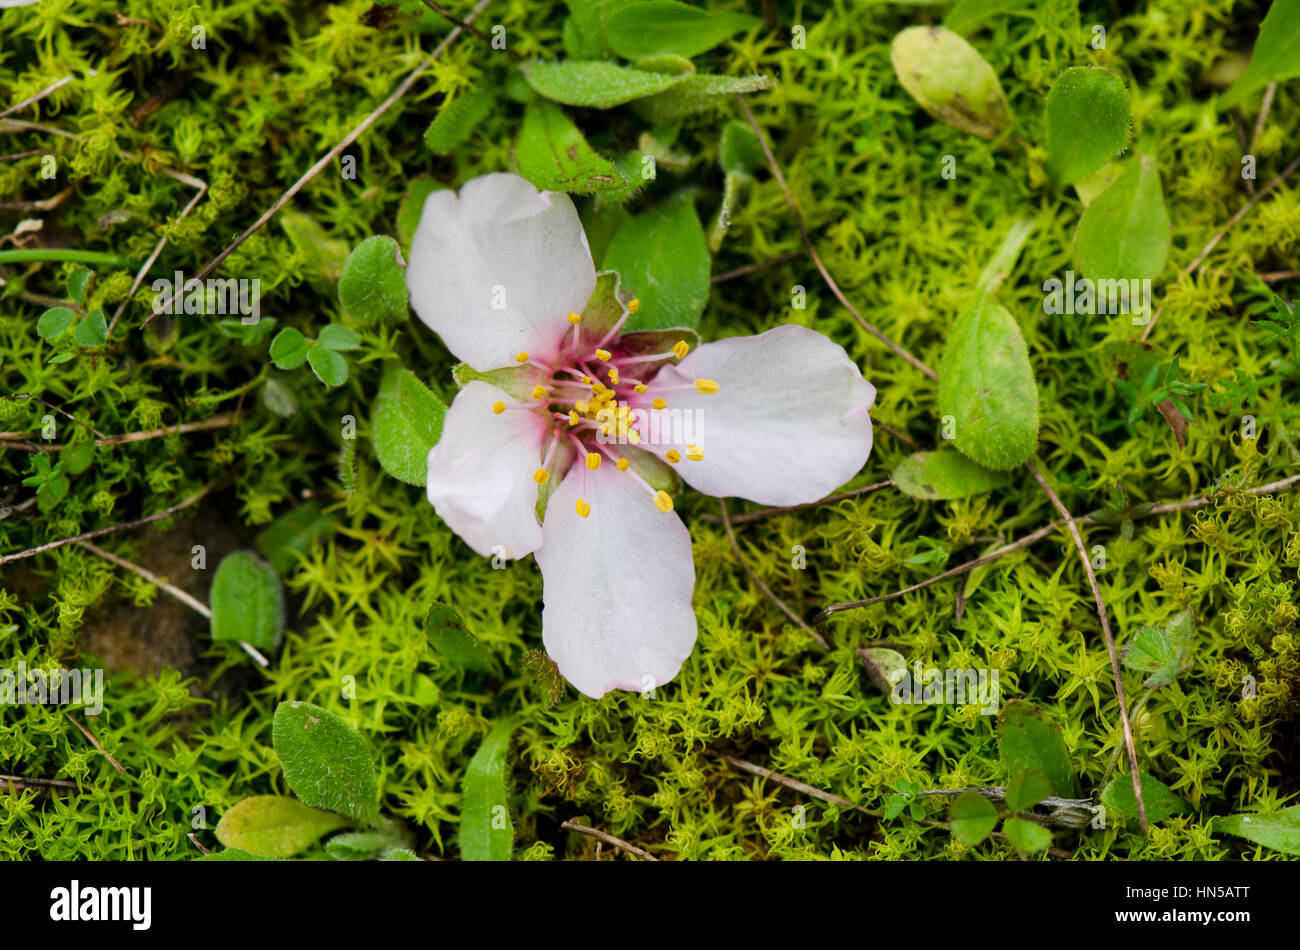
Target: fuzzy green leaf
[(274, 826), (988, 387), (278, 397), (944, 475), (325, 761), (486, 831), (322, 256), (330, 368), (77, 282), (1028, 836), (662, 257), (1276, 56), (453, 642), (1087, 116), (373, 285), (1027, 788), (739, 151), (1279, 830), (972, 818), (54, 321), (950, 80), (247, 601), (407, 424), (1159, 800), (1028, 739), (665, 27), (92, 330), (289, 349), (1162, 652), (596, 84), (1125, 232), (457, 120), (695, 94), (552, 154), (336, 337)]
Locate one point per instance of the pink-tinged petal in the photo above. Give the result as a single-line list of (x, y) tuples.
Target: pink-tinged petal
[(481, 472), (617, 584), (496, 269), (788, 425)]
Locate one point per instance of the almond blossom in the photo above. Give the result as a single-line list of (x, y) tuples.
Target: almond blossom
[(569, 435)]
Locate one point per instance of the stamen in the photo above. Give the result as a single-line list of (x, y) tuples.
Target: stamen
[(498, 407), (603, 355), (574, 418), (706, 386), (622, 465), (593, 460), (541, 476), (538, 392), (660, 402), (522, 357), (582, 508), (633, 305), (681, 349), (673, 456), (694, 453), (640, 388), (574, 318), (663, 501)]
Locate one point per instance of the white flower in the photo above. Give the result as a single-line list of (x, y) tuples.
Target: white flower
[(563, 403)]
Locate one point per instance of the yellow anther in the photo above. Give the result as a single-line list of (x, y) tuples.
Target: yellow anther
[(539, 392), (603, 354), (498, 407), (633, 305), (574, 318), (640, 388), (598, 387), (613, 376), (582, 508), (585, 380), (673, 456), (706, 386), (541, 476), (593, 460), (660, 402), (521, 358), (681, 349), (663, 501), (573, 418), (633, 436), (580, 405), (694, 453), (623, 465)]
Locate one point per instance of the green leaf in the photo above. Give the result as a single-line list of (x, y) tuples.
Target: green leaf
[(330, 368), (1027, 788), (278, 397), (289, 537), (322, 256), (589, 18), (1278, 830), (944, 475), (966, 14), (325, 762), (1162, 652), (696, 94), (662, 258), (274, 826), (400, 854), (886, 668), (664, 27), (407, 424), (412, 207), (670, 64), (972, 818), (456, 121), (1124, 234), (950, 80), (1158, 798), (54, 321), (739, 151), (373, 285), (76, 457), (247, 601), (233, 854), (1087, 122), (1027, 836), (1028, 739), (288, 349), (1276, 56), (552, 154), (336, 337), (453, 642), (988, 387), (77, 282), (486, 831), (596, 84), (92, 330)]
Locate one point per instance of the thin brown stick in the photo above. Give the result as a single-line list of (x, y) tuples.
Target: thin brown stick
[(221, 421), (1274, 277), (95, 742), (1269, 91), (900, 436), (52, 782), (795, 784), (1118, 674), (62, 412), (194, 840), (325, 159), (465, 25), (766, 512), (31, 100), (125, 526), (767, 591), (609, 839), (31, 154), (812, 251), (1214, 241), (759, 265)]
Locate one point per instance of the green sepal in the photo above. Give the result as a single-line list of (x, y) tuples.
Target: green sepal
[(516, 381)]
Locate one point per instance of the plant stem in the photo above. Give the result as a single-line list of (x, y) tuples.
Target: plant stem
[(57, 254)]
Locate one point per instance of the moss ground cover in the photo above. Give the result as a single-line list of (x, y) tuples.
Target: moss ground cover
[(232, 102)]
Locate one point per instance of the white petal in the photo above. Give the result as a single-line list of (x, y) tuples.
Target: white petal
[(788, 425), (617, 585), (497, 269), (481, 472)]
